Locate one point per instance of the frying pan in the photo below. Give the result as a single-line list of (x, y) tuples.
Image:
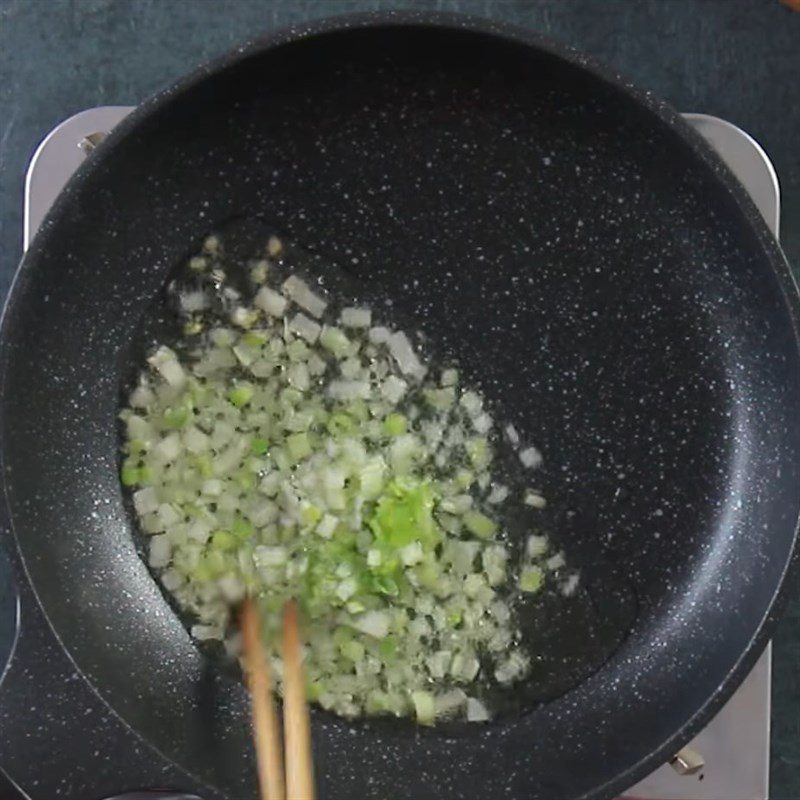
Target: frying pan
[(598, 274)]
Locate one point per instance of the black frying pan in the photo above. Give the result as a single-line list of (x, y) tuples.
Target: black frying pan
[(596, 271)]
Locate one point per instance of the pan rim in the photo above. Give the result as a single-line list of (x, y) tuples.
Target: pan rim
[(660, 110)]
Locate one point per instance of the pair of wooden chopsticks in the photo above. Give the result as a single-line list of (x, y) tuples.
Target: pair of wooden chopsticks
[(299, 770)]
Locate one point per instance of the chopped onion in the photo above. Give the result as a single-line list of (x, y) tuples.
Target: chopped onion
[(271, 302), (394, 388), (379, 335), (402, 352), (349, 390), (145, 500), (356, 317), (305, 327), (498, 494), (556, 562), (299, 291), (534, 500), (373, 623), (476, 711), (536, 546), (512, 435), (530, 457), (570, 585), (292, 457), (193, 301), (166, 363), (482, 423)]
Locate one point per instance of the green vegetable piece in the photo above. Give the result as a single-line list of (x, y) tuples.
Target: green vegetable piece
[(353, 650), (454, 619), (428, 575), (334, 340), (404, 514), (254, 338), (299, 446), (531, 579), (223, 540), (204, 465), (241, 394), (342, 635), (313, 690), (259, 446), (311, 514), (440, 399), (297, 350), (192, 327), (340, 424), (395, 424), (478, 452), (388, 647), (479, 524), (424, 707), (176, 417), (197, 393), (464, 479), (130, 474), (203, 572), (136, 446), (242, 529), (212, 566), (385, 584), (247, 480)]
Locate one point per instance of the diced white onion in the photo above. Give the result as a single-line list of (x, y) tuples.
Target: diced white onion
[(305, 327), (555, 562), (205, 632), (512, 435), (379, 335), (536, 546), (530, 457), (166, 363), (298, 290), (373, 623), (356, 317), (569, 586), (482, 423), (403, 353), (534, 500), (498, 494), (349, 390), (145, 500), (394, 388), (271, 302), (476, 711), (193, 301)]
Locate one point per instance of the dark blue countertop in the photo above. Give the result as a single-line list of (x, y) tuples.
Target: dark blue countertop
[(737, 59)]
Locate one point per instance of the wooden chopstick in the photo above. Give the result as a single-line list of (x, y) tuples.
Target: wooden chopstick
[(296, 724), (299, 767), (265, 720)]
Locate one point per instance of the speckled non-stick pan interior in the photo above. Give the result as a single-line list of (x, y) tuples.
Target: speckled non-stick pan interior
[(596, 272)]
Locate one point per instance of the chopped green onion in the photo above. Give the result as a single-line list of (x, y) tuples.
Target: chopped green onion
[(531, 579), (479, 524), (241, 394)]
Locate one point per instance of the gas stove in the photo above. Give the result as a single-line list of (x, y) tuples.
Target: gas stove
[(57, 738)]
